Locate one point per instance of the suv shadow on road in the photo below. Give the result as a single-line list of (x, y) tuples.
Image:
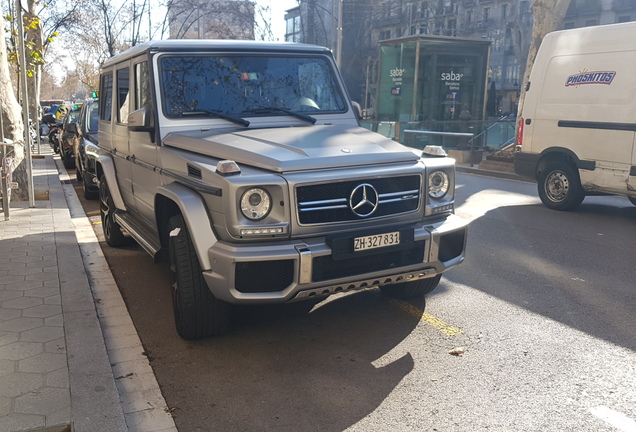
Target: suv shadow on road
[(576, 268), (283, 368)]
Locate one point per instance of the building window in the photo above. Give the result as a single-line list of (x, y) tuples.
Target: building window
[(106, 97), (624, 18), (486, 14), (385, 34), (568, 25), (423, 10), (413, 30), (524, 7), (590, 23), (293, 33), (504, 12)]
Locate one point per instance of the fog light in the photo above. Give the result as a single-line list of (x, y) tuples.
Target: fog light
[(262, 231)]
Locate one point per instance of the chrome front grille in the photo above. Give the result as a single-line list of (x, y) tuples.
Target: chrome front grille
[(350, 200)]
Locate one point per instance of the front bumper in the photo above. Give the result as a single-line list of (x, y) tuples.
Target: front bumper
[(290, 267)]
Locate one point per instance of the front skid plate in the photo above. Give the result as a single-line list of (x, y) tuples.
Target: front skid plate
[(353, 286)]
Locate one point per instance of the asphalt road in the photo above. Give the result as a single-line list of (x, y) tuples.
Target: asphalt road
[(543, 309)]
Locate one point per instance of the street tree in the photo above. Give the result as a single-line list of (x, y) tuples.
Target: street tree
[(38, 35), (546, 17), (12, 124), (219, 19)]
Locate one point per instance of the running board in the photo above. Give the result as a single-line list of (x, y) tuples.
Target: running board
[(142, 235)]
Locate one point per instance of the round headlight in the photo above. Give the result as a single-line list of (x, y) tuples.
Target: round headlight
[(438, 184), (255, 203)]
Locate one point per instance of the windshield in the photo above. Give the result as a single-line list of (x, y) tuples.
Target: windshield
[(244, 85)]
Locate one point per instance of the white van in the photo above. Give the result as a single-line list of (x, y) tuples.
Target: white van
[(578, 121)]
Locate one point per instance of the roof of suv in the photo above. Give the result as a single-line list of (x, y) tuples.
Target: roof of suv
[(215, 45)]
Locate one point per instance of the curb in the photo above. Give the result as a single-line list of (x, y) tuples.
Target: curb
[(132, 398), (491, 173)]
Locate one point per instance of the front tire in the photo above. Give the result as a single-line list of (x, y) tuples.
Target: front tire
[(560, 187), (89, 190), (67, 160), (197, 313), (112, 231), (418, 288)]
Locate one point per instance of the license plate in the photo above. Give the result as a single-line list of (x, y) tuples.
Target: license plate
[(376, 241)]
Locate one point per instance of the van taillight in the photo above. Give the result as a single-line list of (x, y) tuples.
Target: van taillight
[(520, 134)]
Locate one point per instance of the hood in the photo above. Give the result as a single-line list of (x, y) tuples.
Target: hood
[(295, 148)]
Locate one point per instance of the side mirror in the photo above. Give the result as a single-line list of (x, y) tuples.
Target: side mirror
[(357, 109), (139, 120)]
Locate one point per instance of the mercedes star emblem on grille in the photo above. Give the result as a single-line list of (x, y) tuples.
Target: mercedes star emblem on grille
[(364, 200)]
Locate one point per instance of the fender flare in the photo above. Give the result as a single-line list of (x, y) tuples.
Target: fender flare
[(108, 170), (587, 165), (196, 217)]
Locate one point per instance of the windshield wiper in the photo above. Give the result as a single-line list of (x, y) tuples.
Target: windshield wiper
[(236, 120), (269, 109)]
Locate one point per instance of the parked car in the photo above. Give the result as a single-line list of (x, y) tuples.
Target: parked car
[(68, 136), (244, 165), (577, 133), (86, 143)]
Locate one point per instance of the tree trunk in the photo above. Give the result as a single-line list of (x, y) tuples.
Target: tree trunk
[(35, 43), (546, 17), (11, 120)]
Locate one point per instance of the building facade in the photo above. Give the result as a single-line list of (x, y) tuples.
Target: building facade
[(506, 23), (211, 19)]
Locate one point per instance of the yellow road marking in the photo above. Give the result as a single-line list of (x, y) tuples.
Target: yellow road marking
[(93, 212), (97, 223), (440, 325)]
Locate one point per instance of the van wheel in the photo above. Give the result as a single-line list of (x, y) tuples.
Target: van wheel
[(418, 288), (560, 187), (112, 231), (197, 313)]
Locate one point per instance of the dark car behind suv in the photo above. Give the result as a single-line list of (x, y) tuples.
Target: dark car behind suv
[(68, 136), (86, 131)]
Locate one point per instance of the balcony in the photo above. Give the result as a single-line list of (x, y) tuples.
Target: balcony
[(388, 21), (445, 11)]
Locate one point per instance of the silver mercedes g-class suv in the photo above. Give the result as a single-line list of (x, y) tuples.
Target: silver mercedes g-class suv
[(243, 164)]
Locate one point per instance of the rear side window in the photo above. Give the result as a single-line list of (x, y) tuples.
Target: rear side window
[(106, 100), (123, 102)]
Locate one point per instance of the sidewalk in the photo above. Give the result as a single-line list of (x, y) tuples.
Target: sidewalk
[(70, 356)]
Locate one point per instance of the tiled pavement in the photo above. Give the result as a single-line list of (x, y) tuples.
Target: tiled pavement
[(70, 357)]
